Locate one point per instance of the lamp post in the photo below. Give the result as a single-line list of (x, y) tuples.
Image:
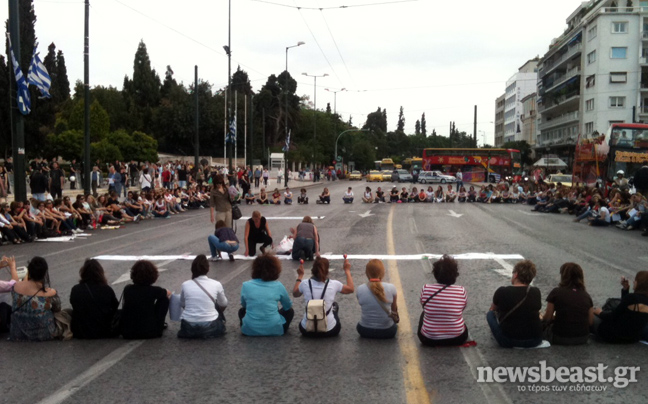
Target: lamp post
[(314, 76), (348, 130), (228, 50), (335, 98), (286, 112)]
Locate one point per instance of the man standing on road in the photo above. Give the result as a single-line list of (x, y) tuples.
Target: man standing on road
[(74, 172), (95, 178), (257, 177), (114, 180), (10, 172), (38, 184), (57, 178), (459, 176)]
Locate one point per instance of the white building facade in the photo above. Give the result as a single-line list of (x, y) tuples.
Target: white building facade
[(520, 85)]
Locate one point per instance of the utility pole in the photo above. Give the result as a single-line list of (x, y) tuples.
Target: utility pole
[(86, 99), (475, 126), (18, 135), (196, 120), (229, 82)]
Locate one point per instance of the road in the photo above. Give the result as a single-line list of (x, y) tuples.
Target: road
[(238, 369)]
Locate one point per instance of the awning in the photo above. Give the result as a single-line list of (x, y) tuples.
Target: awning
[(553, 162)]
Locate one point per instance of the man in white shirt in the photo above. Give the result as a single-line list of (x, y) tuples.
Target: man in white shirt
[(459, 177)]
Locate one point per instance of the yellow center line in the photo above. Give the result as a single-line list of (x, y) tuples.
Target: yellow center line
[(415, 390)]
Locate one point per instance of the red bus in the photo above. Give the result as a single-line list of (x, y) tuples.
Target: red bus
[(473, 163), (624, 147)]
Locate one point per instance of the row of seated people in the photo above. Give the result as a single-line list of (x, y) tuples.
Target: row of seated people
[(514, 318)]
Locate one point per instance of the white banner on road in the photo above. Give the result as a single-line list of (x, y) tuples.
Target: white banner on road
[(413, 257), (284, 217)]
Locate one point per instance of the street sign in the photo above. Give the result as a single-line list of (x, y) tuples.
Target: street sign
[(339, 158)]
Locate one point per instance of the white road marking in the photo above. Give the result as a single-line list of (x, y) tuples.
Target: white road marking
[(412, 257), (530, 213), (92, 373), (284, 217), (126, 277), (506, 270), (366, 214), (455, 214), (63, 239), (493, 392)]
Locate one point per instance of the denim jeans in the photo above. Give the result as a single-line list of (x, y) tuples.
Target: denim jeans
[(216, 245), (588, 213), (503, 340), (305, 245), (202, 329), (375, 333)]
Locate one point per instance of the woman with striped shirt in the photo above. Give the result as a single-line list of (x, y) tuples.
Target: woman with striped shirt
[(443, 306)]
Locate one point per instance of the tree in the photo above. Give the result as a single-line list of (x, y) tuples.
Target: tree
[(104, 151), (62, 83), (400, 126), (417, 127), (145, 147), (271, 99), (241, 82), (68, 144), (328, 108), (524, 148), (423, 125), (142, 92), (99, 120)]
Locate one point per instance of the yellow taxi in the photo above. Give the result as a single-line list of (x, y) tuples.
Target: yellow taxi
[(374, 175), (565, 179), (355, 176), (386, 175)]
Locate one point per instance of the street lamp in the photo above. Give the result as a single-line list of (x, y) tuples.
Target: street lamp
[(314, 76), (335, 98), (300, 43), (348, 130)]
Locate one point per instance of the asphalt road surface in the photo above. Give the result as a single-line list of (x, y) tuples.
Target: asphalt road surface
[(238, 369)]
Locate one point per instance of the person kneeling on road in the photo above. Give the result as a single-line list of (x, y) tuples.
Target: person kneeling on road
[(257, 231), (223, 239), (306, 238), (319, 287)]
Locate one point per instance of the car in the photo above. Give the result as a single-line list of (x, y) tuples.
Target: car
[(435, 176), (565, 179), (387, 175), (355, 175), (374, 175), (402, 176)]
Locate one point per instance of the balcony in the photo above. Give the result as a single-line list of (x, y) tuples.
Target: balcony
[(567, 118), (643, 110), (574, 50), (560, 80), (564, 103)]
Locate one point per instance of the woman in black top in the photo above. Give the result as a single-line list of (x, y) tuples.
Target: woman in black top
[(570, 310), (626, 322), (145, 305), (514, 316), (93, 303), (256, 232)]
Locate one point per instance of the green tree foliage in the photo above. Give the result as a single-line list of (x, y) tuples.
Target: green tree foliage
[(423, 125), (61, 86), (68, 144), (417, 128), (241, 82), (272, 99), (400, 126), (105, 151), (112, 100), (524, 148), (145, 147), (142, 92), (99, 120)]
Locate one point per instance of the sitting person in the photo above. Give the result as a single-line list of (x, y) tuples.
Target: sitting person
[(302, 199), (348, 196), (263, 197), (33, 305), (203, 301), (514, 316), (472, 194), (625, 323), (223, 240), (570, 311), (249, 197), (393, 195), (325, 197), (404, 195), (515, 194), (367, 197), (377, 301), (380, 196), (260, 297), (451, 195), (462, 195), (94, 303), (5, 288), (429, 194), (160, 208), (256, 232), (443, 306), (319, 286), (288, 196), (483, 195), (506, 195), (422, 196), (439, 196), (276, 197), (145, 306), (494, 195), (306, 240), (413, 196)]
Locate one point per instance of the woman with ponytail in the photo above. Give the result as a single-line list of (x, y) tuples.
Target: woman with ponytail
[(378, 304)]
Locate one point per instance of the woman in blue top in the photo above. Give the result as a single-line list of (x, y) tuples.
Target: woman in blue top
[(259, 315)]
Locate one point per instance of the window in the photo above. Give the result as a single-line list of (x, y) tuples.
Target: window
[(613, 122), (589, 127), (620, 27), (591, 33), (591, 57), (617, 102), (618, 77), (589, 105), (619, 53), (590, 81)]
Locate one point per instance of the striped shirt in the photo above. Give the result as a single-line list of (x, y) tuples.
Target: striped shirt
[(443, 313)]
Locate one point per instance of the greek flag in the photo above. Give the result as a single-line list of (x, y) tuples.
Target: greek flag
[(38, 76), (231, 135), (287, 145), (22, 98)]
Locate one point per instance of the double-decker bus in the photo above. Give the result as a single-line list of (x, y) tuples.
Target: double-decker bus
[(474, 163), (414, 164), (597, 160)]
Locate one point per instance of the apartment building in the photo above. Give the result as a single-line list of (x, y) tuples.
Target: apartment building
[(593, 75), (518, 86), (529, 118), (499, 120)]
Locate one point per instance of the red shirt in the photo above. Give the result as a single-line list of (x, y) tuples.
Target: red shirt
[(443, 313)]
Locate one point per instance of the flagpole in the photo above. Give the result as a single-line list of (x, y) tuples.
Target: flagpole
[(18, 134), (236, 129), (86, 99), (245, 134), (225, 129)]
